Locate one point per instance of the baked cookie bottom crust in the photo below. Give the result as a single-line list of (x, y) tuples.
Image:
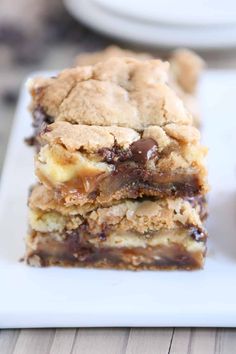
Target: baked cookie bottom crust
[(75, 251)]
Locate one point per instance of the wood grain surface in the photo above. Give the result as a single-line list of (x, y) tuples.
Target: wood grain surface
[(112, 340), (118, 341)]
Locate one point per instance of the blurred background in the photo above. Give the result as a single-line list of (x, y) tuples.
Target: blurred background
[(38, 35)]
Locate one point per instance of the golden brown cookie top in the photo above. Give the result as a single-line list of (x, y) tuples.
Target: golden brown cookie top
[(120, 91)]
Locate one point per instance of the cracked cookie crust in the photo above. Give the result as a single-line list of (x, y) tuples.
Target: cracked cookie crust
[(121, 91)]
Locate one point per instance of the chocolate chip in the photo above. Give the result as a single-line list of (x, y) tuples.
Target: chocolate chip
[(40, 122), (40, 119), (140, 151), (144, 150), (31, 141), (102, 236), (115, 154), (173, 189), (93, 195), (73, 240), (197, 233), (104, 233)]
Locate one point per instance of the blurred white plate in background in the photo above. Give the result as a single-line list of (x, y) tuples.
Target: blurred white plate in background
[(131, 21), (57, 297), (181, 12)]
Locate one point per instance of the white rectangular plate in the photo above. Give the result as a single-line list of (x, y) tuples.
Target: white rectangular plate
[(57, 297)]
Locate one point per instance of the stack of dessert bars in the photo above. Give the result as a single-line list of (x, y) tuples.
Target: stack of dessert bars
[(120, 167)]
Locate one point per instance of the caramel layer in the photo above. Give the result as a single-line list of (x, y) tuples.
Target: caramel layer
[(127, 181)]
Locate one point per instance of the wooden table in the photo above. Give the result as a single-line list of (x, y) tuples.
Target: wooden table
[(104, 341), (118, 341)]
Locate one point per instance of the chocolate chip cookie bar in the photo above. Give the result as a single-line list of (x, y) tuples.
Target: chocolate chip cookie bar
[(119, 132), (121, 172), (132, 234)]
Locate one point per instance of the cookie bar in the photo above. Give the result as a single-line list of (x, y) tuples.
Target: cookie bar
[(95, 164), (120, 167), (143, 234), (185, 70), (119, 132)]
